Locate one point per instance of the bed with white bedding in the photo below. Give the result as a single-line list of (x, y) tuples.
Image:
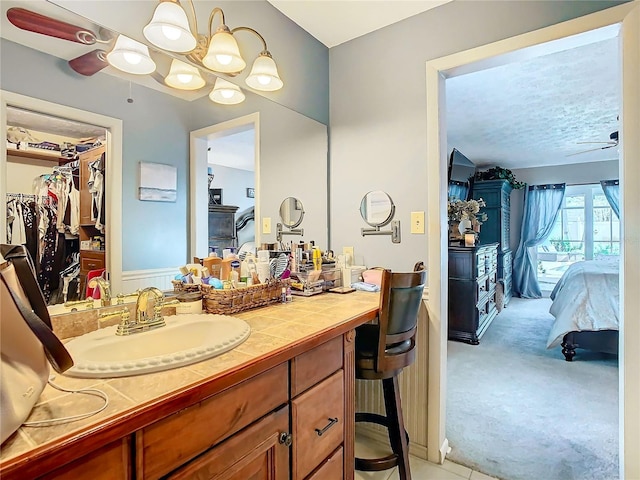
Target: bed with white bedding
[(585, 305)]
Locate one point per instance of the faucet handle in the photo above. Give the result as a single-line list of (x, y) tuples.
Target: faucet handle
[(160, 304), (122, 313), (88, 302), (122, 296)]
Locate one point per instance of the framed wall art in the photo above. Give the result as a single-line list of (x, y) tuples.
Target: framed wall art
[(158, 182)]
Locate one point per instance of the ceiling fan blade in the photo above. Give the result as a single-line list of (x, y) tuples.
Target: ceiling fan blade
[(34, 22), (89, 63), (592, 150)]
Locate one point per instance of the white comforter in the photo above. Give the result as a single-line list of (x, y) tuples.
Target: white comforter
[(587, 297)]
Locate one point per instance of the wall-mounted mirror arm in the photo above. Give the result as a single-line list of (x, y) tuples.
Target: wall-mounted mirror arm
[(280, 232), (394, 232)]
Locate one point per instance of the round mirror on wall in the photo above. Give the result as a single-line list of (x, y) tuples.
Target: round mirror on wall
[(291, 212), (377, 208)]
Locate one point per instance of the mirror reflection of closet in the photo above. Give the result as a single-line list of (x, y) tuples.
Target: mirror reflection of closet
[(56, 198)]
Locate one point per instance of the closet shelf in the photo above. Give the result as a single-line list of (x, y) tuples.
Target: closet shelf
[(34, 155)]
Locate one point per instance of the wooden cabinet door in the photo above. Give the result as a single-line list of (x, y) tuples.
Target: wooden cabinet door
[(170, 443), (106, 463), (255, 453)]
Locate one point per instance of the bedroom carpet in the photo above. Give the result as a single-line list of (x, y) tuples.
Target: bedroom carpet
[(518, 411)]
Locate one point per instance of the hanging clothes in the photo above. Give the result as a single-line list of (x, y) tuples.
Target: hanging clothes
[(96, 188)]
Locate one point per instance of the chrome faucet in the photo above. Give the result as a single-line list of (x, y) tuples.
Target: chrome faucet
[(104, 287), (143, 302)]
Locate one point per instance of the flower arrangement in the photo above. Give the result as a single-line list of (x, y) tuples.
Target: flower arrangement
[(459, 210), (499, 173)]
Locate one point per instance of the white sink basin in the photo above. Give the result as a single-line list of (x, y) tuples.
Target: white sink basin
[(186, 339)]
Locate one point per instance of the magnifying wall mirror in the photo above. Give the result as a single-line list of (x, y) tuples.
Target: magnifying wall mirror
[(291, 212), (291, 215), (377, 209)]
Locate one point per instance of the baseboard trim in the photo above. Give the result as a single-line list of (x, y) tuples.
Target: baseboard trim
[(153, 272), (381, 438)]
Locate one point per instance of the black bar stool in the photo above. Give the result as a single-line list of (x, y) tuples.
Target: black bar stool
[(382, 351)]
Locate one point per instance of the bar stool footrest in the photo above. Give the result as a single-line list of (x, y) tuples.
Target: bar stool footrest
[(376, 464)]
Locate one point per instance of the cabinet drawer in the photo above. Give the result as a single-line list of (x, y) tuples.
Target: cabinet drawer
[(255, 452), (167, 444), (106, 463), (91, 261), (315, 365), (482, 287), (317, 422), (332, 468)]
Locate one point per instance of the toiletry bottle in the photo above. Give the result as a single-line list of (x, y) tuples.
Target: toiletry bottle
[(317, 259), (234, 275), (225, 268), (283, 295), (289, 294), (213, 262)]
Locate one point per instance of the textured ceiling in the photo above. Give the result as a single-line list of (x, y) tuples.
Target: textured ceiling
[(534, 112), (39, 122)]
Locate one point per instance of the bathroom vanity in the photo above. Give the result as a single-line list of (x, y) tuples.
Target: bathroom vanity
[(278, 406)]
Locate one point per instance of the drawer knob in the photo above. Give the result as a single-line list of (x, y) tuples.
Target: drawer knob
[(286, 439), (332, 422)]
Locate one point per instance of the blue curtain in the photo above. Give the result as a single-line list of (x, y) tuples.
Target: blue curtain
[(458, 190), (541, 206), (611, 190)]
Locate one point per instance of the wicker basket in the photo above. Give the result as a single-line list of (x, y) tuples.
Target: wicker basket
[(179, 287), (240, 299)]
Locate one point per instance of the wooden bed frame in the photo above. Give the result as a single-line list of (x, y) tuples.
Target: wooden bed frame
[(605, 341)]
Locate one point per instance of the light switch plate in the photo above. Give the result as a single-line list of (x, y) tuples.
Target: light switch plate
[(266, 225), (349, 251), (417, 222)]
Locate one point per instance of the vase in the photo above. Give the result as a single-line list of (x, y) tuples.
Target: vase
[(464, 225)]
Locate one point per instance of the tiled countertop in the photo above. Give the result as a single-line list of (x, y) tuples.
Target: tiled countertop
[(275, 330)]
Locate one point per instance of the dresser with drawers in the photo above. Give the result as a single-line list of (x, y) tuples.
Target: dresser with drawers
[(497, 227), (472, 291)]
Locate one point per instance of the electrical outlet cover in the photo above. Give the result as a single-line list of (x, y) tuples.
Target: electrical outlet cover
[(417, 222), (266, 225)]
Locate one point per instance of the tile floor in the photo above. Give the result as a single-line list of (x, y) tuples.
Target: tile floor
[(420, 469)]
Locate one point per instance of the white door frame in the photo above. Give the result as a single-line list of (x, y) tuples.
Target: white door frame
[(198, 195), (113, 180), (627, 18)]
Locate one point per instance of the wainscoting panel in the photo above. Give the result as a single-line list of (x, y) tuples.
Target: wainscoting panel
[(159, 278), (413, 392)]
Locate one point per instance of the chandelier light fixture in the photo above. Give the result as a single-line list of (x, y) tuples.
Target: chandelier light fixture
[(170, 29), (184, 76), (226, 93), (131, 57)]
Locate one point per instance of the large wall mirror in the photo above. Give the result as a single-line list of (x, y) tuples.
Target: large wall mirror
[(146, 240)]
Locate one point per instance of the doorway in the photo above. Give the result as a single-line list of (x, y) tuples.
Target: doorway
[(628, 16), (244, 132), (113, 175)]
